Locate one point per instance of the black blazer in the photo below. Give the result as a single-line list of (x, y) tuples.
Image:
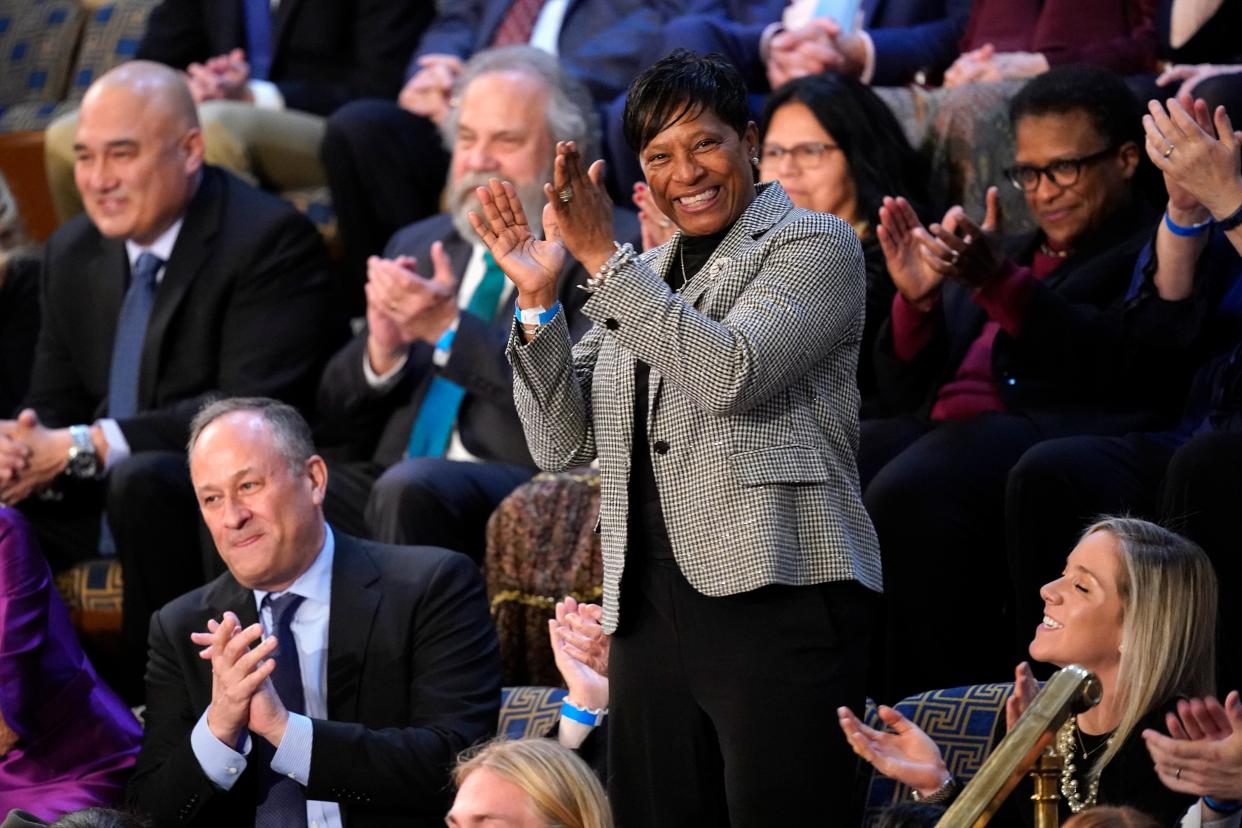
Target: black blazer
[(413, 679), (1075, 361), (325, 52), (376, 425), (244, 308)]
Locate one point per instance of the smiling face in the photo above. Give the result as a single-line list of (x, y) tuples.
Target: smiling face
[(1066, 214), (264, 517), (486, 798), (1083, 609), (136, 161), (827, 187), (700, 173)]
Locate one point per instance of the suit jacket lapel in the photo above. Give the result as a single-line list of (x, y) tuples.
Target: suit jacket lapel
[(226, 595), (354, 603), (193, 246), (280, 26)]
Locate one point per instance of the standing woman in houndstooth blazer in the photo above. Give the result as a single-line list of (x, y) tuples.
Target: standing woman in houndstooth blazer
[(717, 390)]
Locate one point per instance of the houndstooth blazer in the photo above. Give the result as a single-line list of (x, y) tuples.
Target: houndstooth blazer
[(753, 421)]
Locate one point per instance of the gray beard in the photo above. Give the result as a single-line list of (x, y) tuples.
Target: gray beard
[(463, 201)]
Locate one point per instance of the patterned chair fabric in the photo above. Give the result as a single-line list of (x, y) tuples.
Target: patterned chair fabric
[(527, 712), (36, 48), (962, 721), (91, 591), (541, 545), (111, 37)]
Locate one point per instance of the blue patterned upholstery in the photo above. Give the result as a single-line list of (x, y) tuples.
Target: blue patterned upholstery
[(111, 36), (528, 711), (36, 48), (963, 721)]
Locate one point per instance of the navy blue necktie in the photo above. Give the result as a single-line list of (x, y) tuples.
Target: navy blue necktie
[(131, 331), (259, 37), (282, 801)]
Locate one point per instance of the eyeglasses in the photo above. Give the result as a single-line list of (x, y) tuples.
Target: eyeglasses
[(1062, 173), (807, 155)]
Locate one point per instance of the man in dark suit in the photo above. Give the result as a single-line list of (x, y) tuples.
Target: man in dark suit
[(321, 680), (268, 73), (383, 158), (423, 398), (180, 282)]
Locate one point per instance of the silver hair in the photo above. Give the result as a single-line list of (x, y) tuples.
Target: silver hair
[(570, 115), (290, 430)]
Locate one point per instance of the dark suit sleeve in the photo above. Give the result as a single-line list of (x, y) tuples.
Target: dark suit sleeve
[(275, 326), (168, 783), (452, 32), (454, 698), (906, 385), (902, 51), (382, 38), (178, 34), (351, 411)]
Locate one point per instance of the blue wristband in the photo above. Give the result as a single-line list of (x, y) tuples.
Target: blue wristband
[(1223, 806), (525, 317), (1187, 232), (574, 713)]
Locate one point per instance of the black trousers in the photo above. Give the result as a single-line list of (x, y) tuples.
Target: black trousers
[(936, 496), (723, 710), (421, 501), (1059, 486), (386, 168), (161, 542)]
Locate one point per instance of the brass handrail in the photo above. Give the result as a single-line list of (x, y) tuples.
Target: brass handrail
[(1072, 690)]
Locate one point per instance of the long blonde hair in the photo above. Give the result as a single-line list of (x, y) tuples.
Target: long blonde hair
[(1168, 629), (561, 786)]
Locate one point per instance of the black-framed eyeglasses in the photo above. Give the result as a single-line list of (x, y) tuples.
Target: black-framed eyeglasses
[(1063, 172), (807, 155)]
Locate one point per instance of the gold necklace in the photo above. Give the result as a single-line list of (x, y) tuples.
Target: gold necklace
[(1070, 788)]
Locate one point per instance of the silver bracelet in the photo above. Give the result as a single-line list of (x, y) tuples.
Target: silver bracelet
[(624, 254), (942, 795)]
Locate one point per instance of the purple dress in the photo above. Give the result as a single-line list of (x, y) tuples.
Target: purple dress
[(78, 741)]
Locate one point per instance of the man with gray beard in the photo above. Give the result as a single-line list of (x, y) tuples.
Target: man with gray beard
[(424, 440)]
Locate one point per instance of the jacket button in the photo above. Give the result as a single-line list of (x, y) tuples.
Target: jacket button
[(661, 447), (611, 324)]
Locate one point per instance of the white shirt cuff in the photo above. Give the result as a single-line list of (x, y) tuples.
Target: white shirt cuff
[(293, 757), (118, 446), (220, 762), (868, 71), (381, 382), (266, 94), (765, 40)]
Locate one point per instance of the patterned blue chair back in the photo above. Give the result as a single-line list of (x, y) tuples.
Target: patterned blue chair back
[(962, 721), (528, 711)]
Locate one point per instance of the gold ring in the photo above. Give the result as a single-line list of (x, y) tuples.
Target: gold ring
[(565, 194), (1168, 151)]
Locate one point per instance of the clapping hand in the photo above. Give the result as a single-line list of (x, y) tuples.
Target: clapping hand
[(402, 306), (964, 250), (655, 226), (903, 752), (242, 694), (580, 648), (903, 238), (1025, 689), (1199, 155), (1202, 755)]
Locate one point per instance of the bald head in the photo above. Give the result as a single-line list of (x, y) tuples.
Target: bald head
[(160, 90), (138, 151)]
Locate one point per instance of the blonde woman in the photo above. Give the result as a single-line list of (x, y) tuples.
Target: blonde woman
[(527, 783), (1136, 605)]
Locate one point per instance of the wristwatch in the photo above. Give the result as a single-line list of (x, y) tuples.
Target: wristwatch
[(83, 461)]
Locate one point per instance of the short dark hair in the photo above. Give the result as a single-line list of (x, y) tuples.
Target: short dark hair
[(1113, 108), (680, 85), (293, 435), (880, 158), (101, 818)]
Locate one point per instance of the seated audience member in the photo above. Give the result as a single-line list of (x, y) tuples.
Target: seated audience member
[(996, 353), (19, 304), (1135, 605), (1190, 281), (834, 147), (527, 783), (423, 397), (266, 74), (66, 740), (86, 818), (384, 158), (180, 282), (1199, 38), (1202, 755), (337, 678), (1107, 816)]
